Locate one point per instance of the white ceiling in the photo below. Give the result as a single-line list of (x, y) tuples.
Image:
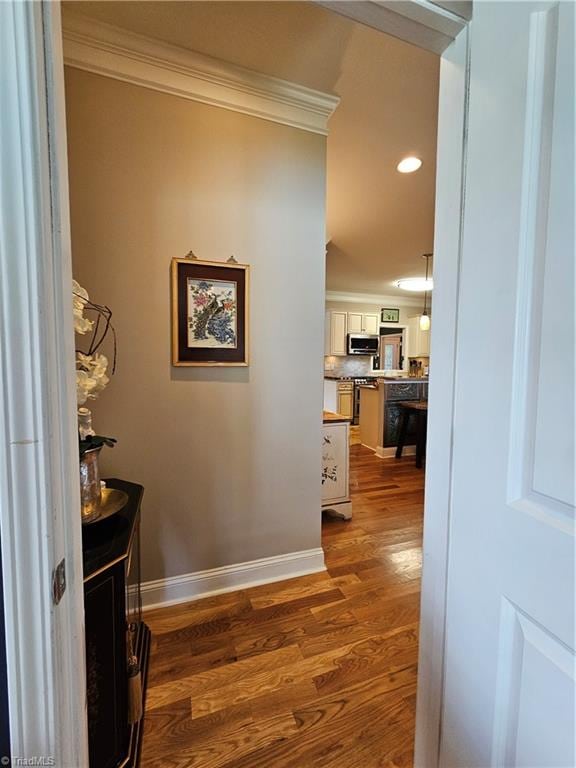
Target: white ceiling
[(379, 222)]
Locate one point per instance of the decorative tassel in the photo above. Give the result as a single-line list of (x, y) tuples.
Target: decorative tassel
[(134, 681), (134, 690)]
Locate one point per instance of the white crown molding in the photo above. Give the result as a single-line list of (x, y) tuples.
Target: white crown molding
[(117, 53), (371, 298), (430, 25), (194, 586)]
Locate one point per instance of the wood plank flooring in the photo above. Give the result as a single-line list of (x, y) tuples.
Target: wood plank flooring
[(318, 671)]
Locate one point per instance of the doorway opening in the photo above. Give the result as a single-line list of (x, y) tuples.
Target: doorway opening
[(101, 161), (351, 630)]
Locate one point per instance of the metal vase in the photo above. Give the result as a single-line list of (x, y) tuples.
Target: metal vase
[(90, 484)]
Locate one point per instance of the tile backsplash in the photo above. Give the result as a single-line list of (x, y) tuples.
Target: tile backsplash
[(350, 365)]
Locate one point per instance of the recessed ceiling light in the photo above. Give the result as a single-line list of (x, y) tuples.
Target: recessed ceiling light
[(409, 164), (415, 284)]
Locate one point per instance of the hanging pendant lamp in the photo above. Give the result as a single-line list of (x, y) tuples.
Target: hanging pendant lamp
[(425, 317)]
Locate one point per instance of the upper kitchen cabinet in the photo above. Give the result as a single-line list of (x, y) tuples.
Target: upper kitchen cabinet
[(340, 324), (418, 340), (336, 330), (359, 322)]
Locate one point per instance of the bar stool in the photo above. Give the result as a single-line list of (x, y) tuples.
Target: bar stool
[(418, 409)]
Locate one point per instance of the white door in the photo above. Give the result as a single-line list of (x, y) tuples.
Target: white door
[(509, 647)]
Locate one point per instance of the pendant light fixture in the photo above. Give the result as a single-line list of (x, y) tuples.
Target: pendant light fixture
[(425, 317)]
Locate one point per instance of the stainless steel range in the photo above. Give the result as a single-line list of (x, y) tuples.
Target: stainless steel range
[(357, 383)]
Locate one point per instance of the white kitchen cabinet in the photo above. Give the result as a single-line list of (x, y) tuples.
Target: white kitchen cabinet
[(331, 395), (346, 403), (355, 322), (336, 330), (371, 324), (419, 340), (335, 468), (360, 322), (339, 397)]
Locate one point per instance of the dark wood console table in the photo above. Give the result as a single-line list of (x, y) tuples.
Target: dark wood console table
[(111, 553)]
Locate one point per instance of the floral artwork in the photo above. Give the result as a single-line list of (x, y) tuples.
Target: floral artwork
[(212, 313), (329, 466), (209, 312)]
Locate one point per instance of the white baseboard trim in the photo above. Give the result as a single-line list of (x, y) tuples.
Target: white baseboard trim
[(388, 453), (228, 578)]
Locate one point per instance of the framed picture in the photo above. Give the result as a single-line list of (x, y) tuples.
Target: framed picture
[(389, 315), (209, 313)]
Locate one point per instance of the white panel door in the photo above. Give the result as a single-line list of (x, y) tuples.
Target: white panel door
[(509, 654)]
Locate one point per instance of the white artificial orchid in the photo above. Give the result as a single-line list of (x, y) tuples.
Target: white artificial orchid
[(91, 368), (79, 300), (91, 376)]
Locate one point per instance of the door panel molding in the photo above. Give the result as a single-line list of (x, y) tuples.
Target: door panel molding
[(519, 634), (527, 387)]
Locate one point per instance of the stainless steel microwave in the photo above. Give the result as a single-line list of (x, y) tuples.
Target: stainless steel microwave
[(363, 344)]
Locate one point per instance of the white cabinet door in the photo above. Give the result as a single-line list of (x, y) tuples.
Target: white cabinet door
[(338, 326), (413, 337), (331, 395), (424, 341), (334, 462), (371, 324), (419, 340), (346, 404), (327, 334), (509, 659), (358, 322), (355, 322)]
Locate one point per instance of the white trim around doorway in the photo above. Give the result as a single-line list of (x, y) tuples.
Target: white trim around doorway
[(39, 490), (451, 169)]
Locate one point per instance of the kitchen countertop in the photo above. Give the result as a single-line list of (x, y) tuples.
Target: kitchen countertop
[(380, 377), (388, 380), (332, 418)]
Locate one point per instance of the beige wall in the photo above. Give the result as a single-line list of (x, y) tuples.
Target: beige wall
[(229, 458)]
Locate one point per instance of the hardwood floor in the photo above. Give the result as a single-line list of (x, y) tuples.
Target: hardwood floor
[(354, 434), (318, 671)]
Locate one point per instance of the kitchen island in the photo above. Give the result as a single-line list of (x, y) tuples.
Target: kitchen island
[(380, 413)]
